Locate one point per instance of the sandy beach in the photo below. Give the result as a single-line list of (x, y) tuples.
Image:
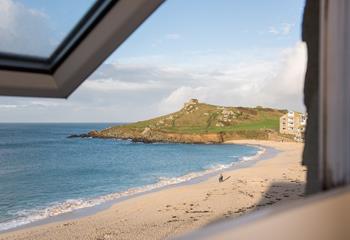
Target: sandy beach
[(177, 210)]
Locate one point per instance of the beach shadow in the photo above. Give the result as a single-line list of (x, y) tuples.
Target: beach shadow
[(226, 179), (277, 193), (281, 192)]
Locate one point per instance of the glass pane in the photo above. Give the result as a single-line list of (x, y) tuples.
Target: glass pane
[(37, 27)]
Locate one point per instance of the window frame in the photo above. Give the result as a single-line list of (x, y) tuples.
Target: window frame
[(79, 54)]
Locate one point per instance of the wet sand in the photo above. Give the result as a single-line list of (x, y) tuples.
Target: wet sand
[(173, 211)]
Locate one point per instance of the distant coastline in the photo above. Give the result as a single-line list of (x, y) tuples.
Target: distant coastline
[(200, 123)]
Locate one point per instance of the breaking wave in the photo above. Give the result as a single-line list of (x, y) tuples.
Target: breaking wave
[(29, 216)]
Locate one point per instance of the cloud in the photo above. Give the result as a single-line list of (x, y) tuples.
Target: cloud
[(24, 30), (275, 83), (273, 30), (165, 38), (8, 106), (286, 28), (182, 94), (117, 85), (282, 30), (139, 88), (172, 36), (44, 103)]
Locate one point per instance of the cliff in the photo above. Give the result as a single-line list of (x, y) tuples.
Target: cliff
[(200, 123)]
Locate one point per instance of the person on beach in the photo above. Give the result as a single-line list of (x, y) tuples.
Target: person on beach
[(221, 178)]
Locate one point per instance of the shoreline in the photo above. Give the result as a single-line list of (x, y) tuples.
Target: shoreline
[(117, 197), (194, 183)]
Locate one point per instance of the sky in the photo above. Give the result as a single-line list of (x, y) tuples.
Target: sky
[(225, 52)]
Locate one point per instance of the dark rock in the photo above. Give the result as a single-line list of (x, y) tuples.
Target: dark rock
[(79, 136)]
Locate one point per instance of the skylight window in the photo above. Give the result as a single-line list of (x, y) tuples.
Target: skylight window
[(49, 49), (36, 28)]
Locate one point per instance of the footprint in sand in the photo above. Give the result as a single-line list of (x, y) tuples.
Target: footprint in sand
[(170, 221), (240, 210), (67, 224), (251, 206), (250, 195), (205, 211)]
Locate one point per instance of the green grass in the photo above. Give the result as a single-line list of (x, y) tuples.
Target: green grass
[(260, 125), (248, 121), (184, 129)]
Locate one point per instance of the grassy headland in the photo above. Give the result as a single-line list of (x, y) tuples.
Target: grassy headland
[(201, 123)]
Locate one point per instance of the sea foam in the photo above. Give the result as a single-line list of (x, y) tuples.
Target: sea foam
[(29, 216)]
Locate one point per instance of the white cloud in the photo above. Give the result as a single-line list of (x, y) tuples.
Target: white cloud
[(273, 30), (134, 89), (166, 37), (286, 88), (275, 83), (45, 103), (286, 28), (8, 106), (24, 30), (181, 95), (172, 36), (117, 85), (283, 29)]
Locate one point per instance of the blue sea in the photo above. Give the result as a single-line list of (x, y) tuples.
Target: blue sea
[(43, 173)]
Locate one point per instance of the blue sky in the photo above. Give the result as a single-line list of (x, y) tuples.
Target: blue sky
[(228, 52), (216, 25)]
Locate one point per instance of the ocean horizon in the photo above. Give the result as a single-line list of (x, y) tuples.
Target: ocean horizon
[(43, 173)]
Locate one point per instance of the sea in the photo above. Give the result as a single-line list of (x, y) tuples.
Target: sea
[(44, 174)]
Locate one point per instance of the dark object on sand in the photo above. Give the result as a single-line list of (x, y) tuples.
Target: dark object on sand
[(221, 178)]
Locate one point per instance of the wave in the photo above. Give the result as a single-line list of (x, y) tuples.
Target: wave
[(29, 216), (256, 156)]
